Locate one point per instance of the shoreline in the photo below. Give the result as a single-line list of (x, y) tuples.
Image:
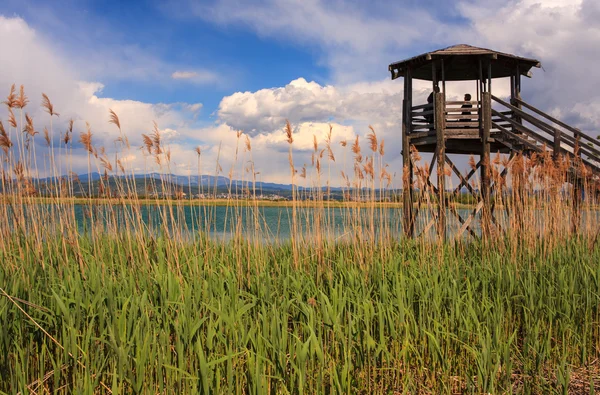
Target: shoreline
[(215, 202)]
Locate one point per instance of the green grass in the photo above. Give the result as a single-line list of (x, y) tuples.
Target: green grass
[(410, 321)]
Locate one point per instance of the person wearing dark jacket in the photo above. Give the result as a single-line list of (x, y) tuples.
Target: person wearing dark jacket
[(468, 106)]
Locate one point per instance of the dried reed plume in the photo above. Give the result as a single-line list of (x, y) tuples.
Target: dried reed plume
[(372, 137), (288, 132), (148, 143), (156, 140), (472, 162), (356, 150), (330, 154), (29, 126), (22, 100), (343, 143), (5, 142), (303, 172), (248, 145), (12, 121), (47, 104), (382, 147), (315, 144), (47, 136), (86, 139), (114, 119), (497, 158), (197, 149), (11, 99), (368, 167), (416, 156), (106, 163), (68, 132)]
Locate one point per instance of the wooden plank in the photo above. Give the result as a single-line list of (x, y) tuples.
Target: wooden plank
[(422, 113), (520, 139), (462, 221), (416, 135), (462, 116), (428, 227), (589, 151), (454, 103), (462, 133), (524, 129), (418, 126), (421, 106), (469, 219), (467, 124), (466, 180), (460, 176)]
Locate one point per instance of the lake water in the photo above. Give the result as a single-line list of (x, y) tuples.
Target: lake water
[(264, 223)]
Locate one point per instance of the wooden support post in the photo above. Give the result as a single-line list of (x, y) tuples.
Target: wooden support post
[(407, 192), (517, 95), (577, 181), (440, 121), (577, 198), (486, 114)]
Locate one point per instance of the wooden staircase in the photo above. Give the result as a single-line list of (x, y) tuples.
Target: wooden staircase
[(523, 128)]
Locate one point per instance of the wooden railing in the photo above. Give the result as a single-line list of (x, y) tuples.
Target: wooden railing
[(540, 131), (456, 116), (422, 117), (460, 116)]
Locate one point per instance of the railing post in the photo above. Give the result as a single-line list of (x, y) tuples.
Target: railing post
[(440, 126), (557, 137), (486, 114)]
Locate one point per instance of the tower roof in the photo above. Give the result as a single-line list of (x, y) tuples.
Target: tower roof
[(461, 62)]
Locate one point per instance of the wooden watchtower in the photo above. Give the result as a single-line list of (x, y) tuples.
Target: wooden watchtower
[(478, 126)]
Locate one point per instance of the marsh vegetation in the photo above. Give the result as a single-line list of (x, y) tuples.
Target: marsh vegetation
[(137, 303)]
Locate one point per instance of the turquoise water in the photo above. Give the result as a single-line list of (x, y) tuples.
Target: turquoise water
[(264, 223)]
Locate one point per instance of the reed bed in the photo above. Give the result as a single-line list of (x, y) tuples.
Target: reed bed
[(109, 295)]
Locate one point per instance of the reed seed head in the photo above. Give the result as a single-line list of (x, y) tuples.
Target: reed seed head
[(47, 137), (114, 119), (47, 104), (22, 100), (11, 99), (372, 137), (288, 132), (12, 121)]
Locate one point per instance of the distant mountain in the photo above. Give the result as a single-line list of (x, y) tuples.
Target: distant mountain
[(158, 183)]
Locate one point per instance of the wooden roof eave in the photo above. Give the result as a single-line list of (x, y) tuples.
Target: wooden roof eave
[(421, 60)]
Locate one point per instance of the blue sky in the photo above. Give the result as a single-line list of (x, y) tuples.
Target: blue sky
[(244, 60), (205, 69)]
